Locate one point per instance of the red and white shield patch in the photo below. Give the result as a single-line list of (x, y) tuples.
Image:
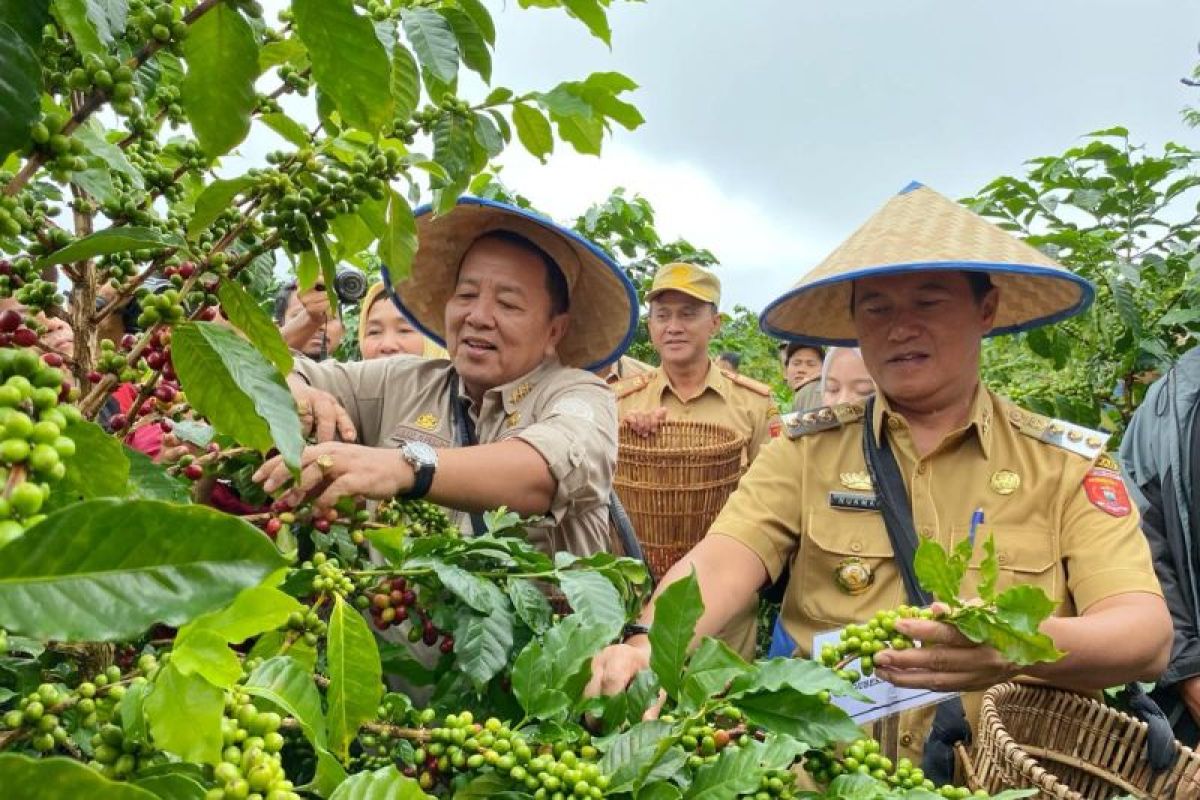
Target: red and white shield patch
[(1106, 491)]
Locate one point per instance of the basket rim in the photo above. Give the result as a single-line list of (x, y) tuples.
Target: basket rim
[(634, 444)]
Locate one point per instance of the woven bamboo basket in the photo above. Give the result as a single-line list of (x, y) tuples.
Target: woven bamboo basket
[(1069, 747), (673, 483)]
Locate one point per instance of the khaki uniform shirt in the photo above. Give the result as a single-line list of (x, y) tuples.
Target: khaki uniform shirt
[(567, 415), (1044, 487), (728, 399)]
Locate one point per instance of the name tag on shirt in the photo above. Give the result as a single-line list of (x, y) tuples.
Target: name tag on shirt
[(885, 699), (854, 501)]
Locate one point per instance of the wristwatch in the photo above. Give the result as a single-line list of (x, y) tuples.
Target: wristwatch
[(423, 460), (632, 629)]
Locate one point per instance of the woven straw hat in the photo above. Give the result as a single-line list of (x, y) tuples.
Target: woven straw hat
[(920, 230), (603, 301)]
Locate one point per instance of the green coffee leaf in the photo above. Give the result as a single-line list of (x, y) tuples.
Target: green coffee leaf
[(150, 481), (710, 669), (676, 612), (254, 611), (531, 605), (111, 240), (433, 40), (184, 714), (802, 675), (397, 248), (471, 44), (100, 467), (27, 18), (173, 786), (78, 19), (205, 652), (214, 201), (734, 773), (546, 673), (355, 677), (248, 317), (349, 63), (291, 131), (483, 644), (533, 130), (593, 15), (801, 716), (218, 91), (382, 783), (25, 778), (1024, 607), (594, 598), (106, 570), (989, 571), (234, 387), (481, 595), (283, 681), (132, 712), (939, 573), (1020, 647)]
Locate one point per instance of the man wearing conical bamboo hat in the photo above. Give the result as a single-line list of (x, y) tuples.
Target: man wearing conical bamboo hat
[(917, 288)]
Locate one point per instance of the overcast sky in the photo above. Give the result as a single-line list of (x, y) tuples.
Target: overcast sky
[(775, 127)]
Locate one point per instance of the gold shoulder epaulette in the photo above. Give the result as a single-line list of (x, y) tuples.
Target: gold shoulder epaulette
[(634, 383), (1060, 433), (798, 424), (748, 383)]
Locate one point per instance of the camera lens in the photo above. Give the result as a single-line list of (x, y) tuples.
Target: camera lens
[(350, 284)]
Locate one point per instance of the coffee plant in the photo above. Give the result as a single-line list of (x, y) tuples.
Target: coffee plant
[(167, 630)]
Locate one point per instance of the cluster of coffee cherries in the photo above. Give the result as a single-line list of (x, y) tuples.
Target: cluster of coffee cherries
[(14, 330), (14, 219), (394, 602), (418, 517), (704, 741), (306, 625), (63, 154), (547, 771), (251, 764), (14, 274), (106, 74), (863, 756), (155, 21), (32, 440), (863, 641), (334, 189)]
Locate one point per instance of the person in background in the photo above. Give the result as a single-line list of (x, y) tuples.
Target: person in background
[(844, 377), (729, 361), (802, 371), (690, 387), (307, 322), (383, 331), (1159, 459)]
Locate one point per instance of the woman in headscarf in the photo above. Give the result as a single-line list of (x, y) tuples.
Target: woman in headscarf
[(383, 331)]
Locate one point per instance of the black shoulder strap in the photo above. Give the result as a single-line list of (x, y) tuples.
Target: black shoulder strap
[(894, 505), (464, 435)]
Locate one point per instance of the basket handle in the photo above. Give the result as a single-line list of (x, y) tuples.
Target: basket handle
[(967, 766)]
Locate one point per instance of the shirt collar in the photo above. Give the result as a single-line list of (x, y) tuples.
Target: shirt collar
[(981, 420), (508, 395), (715, 380)]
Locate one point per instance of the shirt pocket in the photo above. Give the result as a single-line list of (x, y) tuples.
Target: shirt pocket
[(846, 563), (1024, 555)]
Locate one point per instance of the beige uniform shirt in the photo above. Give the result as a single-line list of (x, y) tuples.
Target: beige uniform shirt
[(728, 399), (1050, 495), (567, 415)]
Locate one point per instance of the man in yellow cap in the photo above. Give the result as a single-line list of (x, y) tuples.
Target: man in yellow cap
[(511, 417), (689, 386), (917, 288)]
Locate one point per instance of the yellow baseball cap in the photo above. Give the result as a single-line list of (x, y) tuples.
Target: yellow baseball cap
[(692, 280)]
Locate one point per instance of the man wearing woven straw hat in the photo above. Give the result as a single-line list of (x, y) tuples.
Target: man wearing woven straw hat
[(511, 418), (917, 288)]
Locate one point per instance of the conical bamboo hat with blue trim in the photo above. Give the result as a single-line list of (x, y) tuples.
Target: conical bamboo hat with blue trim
[(920, 230)]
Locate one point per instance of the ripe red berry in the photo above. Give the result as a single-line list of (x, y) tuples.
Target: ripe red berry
[(273, 525), (279, 506), (94, 377), (24, 337), (53, 359), (429, 637), (447, 645), (5, 267), (128, 341), (166, 425), (193, 472), (399, 583), (154, 359), (322, 525), (10, 320), (187, 269), (5, 339), (213, 447), (208, 314), (118, 422), (165, 393)]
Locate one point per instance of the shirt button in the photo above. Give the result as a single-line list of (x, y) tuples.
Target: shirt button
[(894, 423), (856, 547), (922, 468), (906, 739), (925, 530)]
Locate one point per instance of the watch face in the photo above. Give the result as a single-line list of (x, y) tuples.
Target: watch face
[(421, 452)]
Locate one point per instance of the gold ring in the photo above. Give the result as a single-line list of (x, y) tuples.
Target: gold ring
[(303, 409), (325, 462)]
